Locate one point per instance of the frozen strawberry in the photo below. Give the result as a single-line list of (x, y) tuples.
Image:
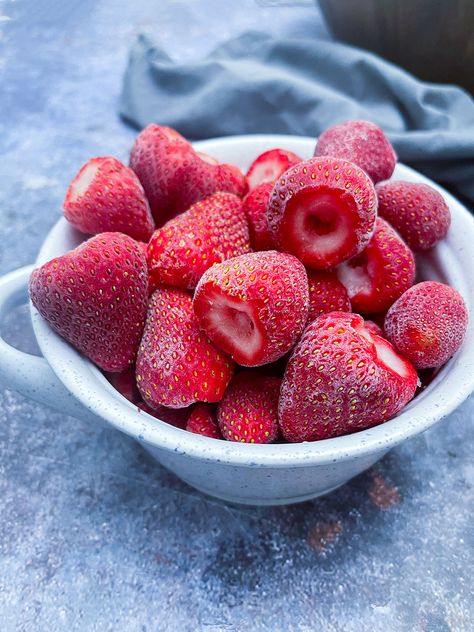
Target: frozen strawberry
[(361, 142), (175, 176), (270, 165), (427, 324), (125, 383), (248, 411), (203, 421), (322, 211), (211, 231), (342, 378), (374, 329), (177, 364), (176, 417), (381, 273), (326, 294), (107, 196), (417, 211), (255, 206), (96, 298), (254, 306)]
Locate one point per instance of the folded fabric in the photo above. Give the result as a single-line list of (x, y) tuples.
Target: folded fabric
[(257, 84)]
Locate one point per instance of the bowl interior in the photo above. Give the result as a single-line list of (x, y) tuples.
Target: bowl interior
[(452, 262)]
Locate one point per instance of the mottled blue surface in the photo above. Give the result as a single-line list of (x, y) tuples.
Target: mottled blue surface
[(93, 534)]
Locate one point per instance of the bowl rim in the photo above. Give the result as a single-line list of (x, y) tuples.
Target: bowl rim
[(86, 382)]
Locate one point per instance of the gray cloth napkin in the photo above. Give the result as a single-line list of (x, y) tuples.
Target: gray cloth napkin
[(257, 84)]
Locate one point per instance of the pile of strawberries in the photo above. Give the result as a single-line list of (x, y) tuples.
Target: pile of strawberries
[(233, 306)]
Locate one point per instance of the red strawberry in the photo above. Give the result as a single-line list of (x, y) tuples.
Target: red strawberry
[(255, 206), (175, 176), (203, 421), (323, 211), (176, 417), (374, 329), (96, 298), (177, 365), (248, 411), (254, 306), (417, 211), (326, 294), (125, 383), (361, 142), (211, 231), (381, 273), (270, 165), (427, 323), (107, 196), (342, 378)]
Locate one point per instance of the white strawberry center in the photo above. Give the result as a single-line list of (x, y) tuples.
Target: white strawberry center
[(386, 353), (206, 158), (266, 171), (231, 325), (354, 276), (82, 182), (319, 224)]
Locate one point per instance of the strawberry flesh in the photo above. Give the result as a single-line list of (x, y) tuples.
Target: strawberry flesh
[(270, 165)]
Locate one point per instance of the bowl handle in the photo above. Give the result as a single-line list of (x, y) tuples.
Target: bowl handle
[(28, 374)]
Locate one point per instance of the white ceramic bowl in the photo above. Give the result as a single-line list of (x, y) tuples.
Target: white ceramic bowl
[(252, 474)]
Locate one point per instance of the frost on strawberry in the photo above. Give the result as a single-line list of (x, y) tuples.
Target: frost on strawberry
[(177, 365), (342, 378)]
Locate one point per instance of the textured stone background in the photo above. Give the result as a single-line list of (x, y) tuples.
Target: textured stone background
[(93, 534)]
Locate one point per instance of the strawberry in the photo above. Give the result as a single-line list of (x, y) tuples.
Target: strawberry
[(322, 211), (96, 298), (381, 273), (255, 206), (176, 417), (175, 176), (342, 378), (427, 323), (177, 364), (417, 211), (211, 231), (372, 326), (126, 384), (361, 142), (248, 411), (326, 294), (253, 306), (270, 165), (203, 421), (107, 196)]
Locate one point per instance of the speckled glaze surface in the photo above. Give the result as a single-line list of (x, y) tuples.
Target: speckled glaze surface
[(273, 474)]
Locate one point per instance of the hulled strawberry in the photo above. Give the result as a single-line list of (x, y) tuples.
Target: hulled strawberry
[(427, 323), (254, 306), (342, 378), (177, 364), (106, 195), (323, 211), (270, 165), (326, 294), (202, 421), (177, 417), (417, 211), (248, 411), (381, 273), (126, 384), (96, 298), (255, 205), (361, 142), (175, 176), (211, 231)]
